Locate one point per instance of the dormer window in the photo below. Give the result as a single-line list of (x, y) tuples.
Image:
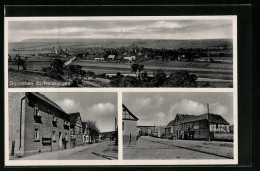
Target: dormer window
[(36, 115), (36, 110), (54, 119)]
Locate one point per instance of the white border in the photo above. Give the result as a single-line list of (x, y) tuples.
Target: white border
[(120, 160)]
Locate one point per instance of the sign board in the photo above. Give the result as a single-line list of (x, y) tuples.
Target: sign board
[(46, 141)]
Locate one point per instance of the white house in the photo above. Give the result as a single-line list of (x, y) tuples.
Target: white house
[(129, 125), (130, 58), (111, 57)]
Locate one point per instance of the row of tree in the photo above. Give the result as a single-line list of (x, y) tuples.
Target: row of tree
[(159, 79), (92, 129)]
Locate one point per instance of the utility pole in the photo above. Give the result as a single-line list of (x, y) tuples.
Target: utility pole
[(208, 120)]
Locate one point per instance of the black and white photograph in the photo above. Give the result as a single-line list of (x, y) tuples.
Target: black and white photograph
[(62, 126), (140, 51), (178, 126)]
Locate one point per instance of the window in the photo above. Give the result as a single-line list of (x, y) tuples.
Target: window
[(53, 136), (54, 119), (66, 136), (36, 110), (36, 135)]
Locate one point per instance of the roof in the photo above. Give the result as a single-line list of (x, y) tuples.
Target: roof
[(213, 118), (178, 117), (45, 99), (170, 124), (111, 56), (130, 113), (185, 118), (73, 118)]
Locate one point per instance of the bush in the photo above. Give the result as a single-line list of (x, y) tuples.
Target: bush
[(182, 79)]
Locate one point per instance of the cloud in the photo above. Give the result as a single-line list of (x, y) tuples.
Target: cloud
[(217, 108), (158, 101), (101, 109), (68, 105), (187, 107), (167, 29), (195, 108), (154, 102), (143, 102), (153, 117)]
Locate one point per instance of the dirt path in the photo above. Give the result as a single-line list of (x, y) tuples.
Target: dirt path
[(148, 148)]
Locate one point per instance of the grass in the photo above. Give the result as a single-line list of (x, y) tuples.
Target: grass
[(24, 79)]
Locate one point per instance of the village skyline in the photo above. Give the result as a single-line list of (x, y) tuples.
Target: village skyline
[(158, 109)]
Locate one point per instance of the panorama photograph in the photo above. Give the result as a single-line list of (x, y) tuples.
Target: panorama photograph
[(120, 52), (62, 126), (178, 126)]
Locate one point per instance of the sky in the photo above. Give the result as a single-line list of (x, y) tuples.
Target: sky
[(100, 107), (161, 108), (127, 29)]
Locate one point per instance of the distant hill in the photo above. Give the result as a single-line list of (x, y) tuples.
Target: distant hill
[(148, 43)]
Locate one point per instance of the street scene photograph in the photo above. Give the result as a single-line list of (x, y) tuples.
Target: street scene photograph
[(62, 126), (120, 51), (178, 126)]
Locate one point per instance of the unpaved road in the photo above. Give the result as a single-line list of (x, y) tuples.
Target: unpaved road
[(148, 149)]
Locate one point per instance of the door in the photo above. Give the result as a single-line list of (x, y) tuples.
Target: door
[(60, 140)]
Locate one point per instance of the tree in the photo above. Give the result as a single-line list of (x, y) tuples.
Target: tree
[(137, 68), (19, 62), (182, 79), (159, 78), (57, 66), (92, 130), (76, 73)]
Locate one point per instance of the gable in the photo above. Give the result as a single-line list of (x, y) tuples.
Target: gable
[(127, 115)]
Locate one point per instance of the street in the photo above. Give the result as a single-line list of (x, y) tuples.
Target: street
[(155, 148), (99, 151)]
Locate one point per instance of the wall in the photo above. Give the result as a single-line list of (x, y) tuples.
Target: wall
[(14, 109), (130, 127), (46, 129)]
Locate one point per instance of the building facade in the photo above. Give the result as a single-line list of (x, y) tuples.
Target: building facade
[(129, 125), (36, 124), (86, 136), (76, 131), (201, 127)]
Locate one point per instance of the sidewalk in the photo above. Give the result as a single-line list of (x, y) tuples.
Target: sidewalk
[(224, 149), (54, 154)]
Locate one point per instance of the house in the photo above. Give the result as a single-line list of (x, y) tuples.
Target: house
[(76, 131), (111, 135), (85, 131), (99, 58), (196, 127), (145, 130), (129, 125), (161, 131), (111, 57), (156, 131), (130, 58), (36, 124)]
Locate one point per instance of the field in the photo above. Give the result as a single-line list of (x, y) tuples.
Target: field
[(29, 79), (202, 70), (218, 73)]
